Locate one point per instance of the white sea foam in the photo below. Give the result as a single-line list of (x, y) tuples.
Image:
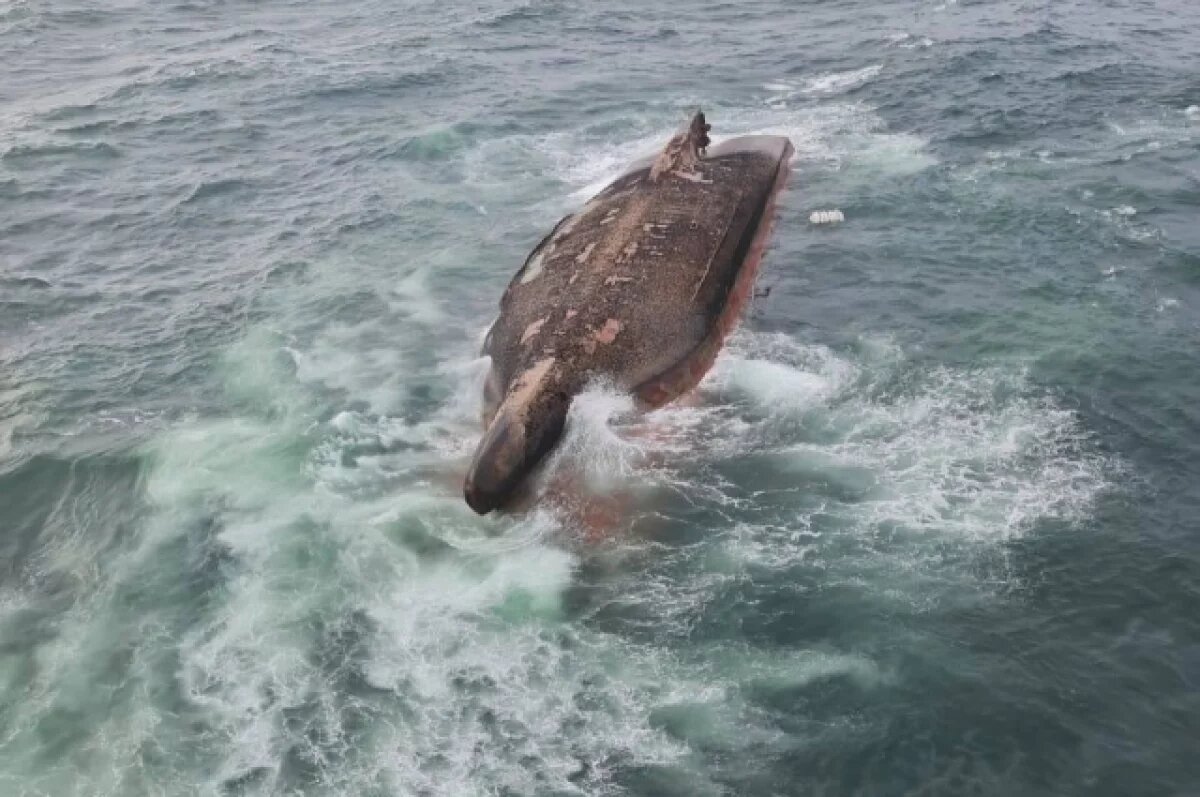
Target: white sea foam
[(966, 458), (850, 138), (7, 427), (464, 641), (593, 445), (969, 457), (780, 374), (829, 84), (347, 556), (1123, 218), (841, 82), (838, 135), (1131, 138)]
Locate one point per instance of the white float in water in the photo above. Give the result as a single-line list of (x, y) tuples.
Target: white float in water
[(826, 217)]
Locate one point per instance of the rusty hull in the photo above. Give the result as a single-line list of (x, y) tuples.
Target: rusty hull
[(639, 287)]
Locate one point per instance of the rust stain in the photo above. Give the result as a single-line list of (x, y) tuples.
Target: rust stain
[(608, 333)]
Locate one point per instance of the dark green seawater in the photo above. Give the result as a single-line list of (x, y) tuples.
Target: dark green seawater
[(932, 526)]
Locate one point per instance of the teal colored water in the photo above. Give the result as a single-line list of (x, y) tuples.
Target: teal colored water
[(932, 526)]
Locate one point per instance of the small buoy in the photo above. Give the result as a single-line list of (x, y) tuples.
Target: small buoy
[(826, 216)]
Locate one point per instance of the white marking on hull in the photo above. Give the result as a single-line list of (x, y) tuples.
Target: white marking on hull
[(532, 330), (533, 269), (694, 177), (566, 228)]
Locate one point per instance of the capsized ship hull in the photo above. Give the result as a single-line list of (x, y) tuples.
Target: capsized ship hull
[(640, 287)]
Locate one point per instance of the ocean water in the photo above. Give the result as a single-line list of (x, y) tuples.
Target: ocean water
[(930, 527)]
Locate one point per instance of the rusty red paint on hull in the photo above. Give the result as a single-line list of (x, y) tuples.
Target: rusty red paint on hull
[(691, 371)]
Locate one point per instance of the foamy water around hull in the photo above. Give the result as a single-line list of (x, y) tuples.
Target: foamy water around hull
[(927, 527)]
